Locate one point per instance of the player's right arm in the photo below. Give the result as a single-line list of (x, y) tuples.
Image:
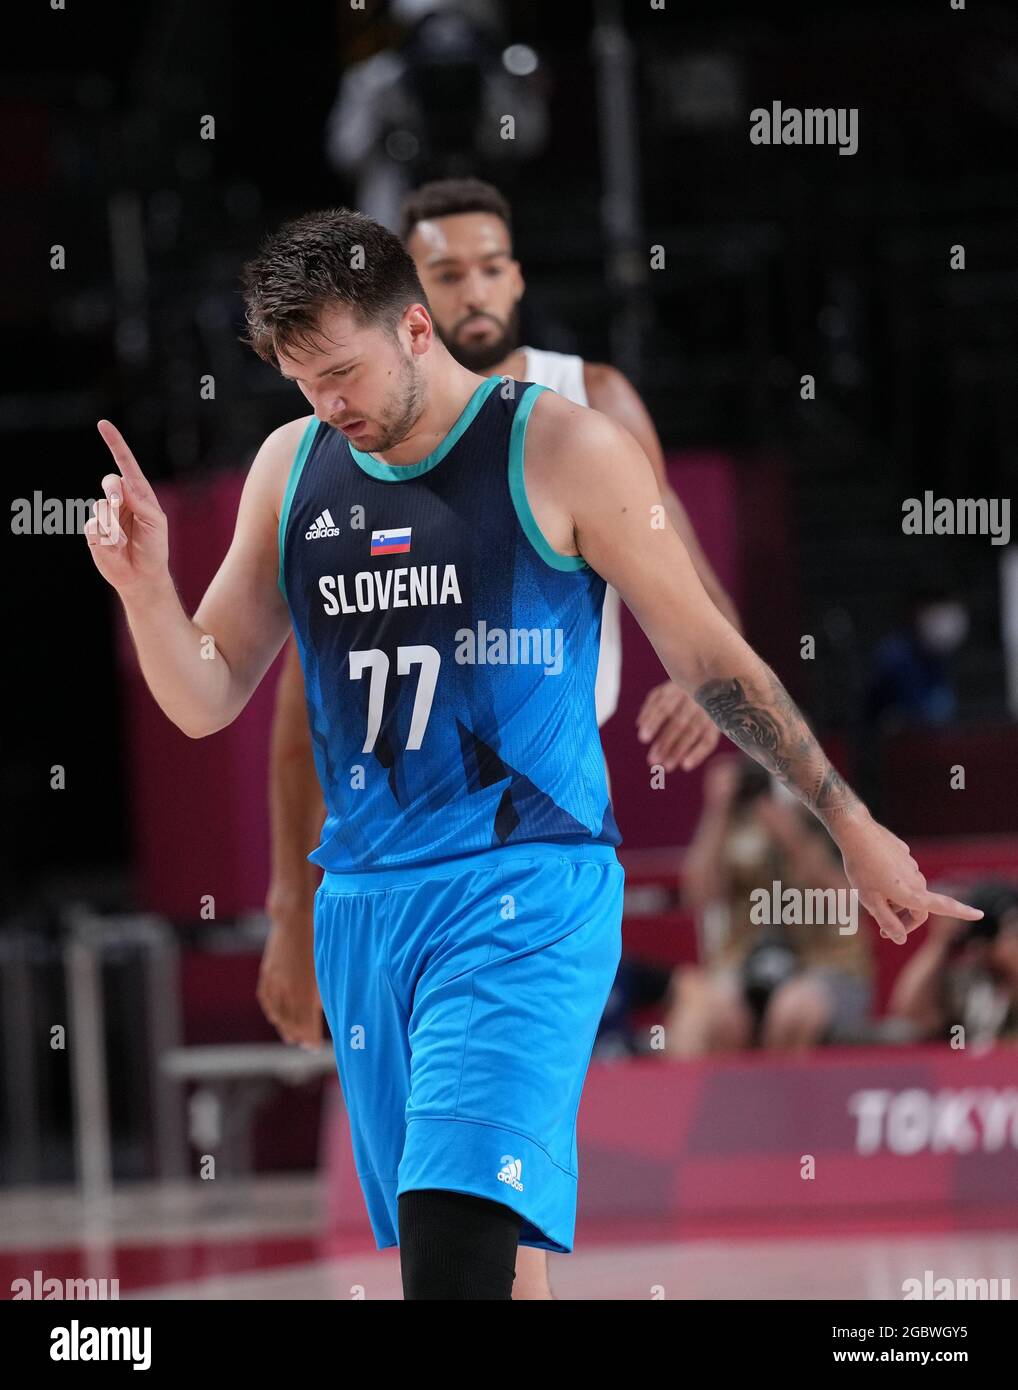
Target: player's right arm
[(202, 670)]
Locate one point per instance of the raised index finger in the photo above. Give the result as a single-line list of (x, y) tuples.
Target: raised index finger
[(122, 456)]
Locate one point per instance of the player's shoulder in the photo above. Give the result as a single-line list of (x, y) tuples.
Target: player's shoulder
[(284, 441), (574, 452), (559, 425), (279, 449), (271, 466)]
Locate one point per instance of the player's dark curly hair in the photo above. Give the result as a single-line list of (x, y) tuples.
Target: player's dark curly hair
[(323, 259), (446, 197)]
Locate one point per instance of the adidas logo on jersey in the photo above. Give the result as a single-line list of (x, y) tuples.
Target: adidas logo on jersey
[(321, 527), (511, 1171)]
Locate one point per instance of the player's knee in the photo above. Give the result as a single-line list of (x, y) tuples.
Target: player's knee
[(453, 1245), (531, 1284)]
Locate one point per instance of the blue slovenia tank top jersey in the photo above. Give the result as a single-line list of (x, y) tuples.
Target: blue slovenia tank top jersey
[(449, 653)]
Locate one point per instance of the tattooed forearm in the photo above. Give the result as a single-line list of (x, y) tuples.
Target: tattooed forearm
[(772, 730)]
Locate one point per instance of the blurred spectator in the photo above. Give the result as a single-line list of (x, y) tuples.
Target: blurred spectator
[(433, 105), (910, 679), (776, 985), (965, 973)]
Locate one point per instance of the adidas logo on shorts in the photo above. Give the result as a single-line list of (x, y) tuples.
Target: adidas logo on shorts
[(510, 1172), (321, 527)]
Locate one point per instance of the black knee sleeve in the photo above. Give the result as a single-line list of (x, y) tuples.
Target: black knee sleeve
[(456, 1246)]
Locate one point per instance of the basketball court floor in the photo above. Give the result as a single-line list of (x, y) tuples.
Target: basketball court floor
[(261, 1240)]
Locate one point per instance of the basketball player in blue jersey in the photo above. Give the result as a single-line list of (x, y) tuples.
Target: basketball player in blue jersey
[(459, 233), (440, 543)]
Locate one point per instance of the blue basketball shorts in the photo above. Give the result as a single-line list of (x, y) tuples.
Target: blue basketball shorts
[(463, 1000)]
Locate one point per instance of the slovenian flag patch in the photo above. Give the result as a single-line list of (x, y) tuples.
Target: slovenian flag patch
[(395, 542)]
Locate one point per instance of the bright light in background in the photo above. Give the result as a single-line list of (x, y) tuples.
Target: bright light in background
[(519, 59)]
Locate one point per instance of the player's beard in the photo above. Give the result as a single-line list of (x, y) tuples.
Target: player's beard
[(402, 411), (484, 355)]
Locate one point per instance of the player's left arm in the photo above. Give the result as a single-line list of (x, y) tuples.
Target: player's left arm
[(675, 729), (614, 395), (600, 479)]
